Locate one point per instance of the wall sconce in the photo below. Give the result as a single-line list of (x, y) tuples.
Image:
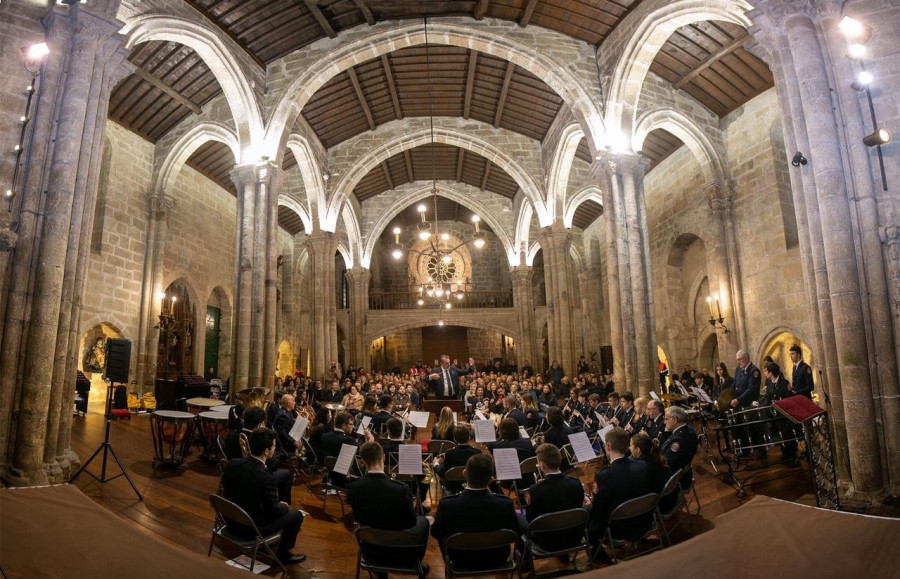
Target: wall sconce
[(716, 320)]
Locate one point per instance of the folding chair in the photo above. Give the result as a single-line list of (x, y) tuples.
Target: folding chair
[(454, 475), (555, 524), (403, 558), (530, 472), (329, 487), (437, 447), (467, 547), (228, 511), (673, 490), (637, 508), (692, 488)]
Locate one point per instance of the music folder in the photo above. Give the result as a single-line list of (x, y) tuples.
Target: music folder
[(701, 395), (299, 429), (655, 396), (410, 459), (364, 424), (419, 419)]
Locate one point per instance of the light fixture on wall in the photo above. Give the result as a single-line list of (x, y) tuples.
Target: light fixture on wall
[(442, 288), (716, 319), (798, 159)]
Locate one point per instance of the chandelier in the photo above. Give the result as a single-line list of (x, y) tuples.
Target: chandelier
[(443, 283)]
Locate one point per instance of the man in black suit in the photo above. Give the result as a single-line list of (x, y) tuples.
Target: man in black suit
[(802, 377), (385, 406), (284, 422), (382, 503), (627, 413), (558, 433), (556, 492), (512, 411), (334, 395), (457, 456), (445, 378), (656, 420), (623, 480), (337, 438), (681, 445), (248, 484), (475, 509), (392, 446), (747, 379)]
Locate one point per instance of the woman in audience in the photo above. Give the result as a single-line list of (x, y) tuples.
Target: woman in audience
[(533, 414), (546, 396), (353, 401), (443, 427)]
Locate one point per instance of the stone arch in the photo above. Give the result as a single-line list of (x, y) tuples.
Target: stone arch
[(680, 246), (523, 229), (444, 190), (377, 41), (690, 134), (464, 320), (694, 293), (587, 194), (219, 297), (294, 206), (707, 350), (353, 248), (286, 363), (777, 342), (532, 253), (313, 181), (185, 146), (223, 63), (344, 251), (561, 167), (453, 137), (577, 256), (656, 24)]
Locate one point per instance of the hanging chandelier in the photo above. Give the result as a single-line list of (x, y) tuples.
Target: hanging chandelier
[(443, 284)]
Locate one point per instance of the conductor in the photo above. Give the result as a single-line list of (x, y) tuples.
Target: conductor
[(445, 378)]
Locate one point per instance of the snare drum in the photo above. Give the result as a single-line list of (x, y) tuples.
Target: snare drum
[(172, 434), (212, 425)]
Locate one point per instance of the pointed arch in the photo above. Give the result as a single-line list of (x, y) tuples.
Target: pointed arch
[(184, 147), (561, 167), (690, 134), (587, 194), (313, 181), (294, 206)]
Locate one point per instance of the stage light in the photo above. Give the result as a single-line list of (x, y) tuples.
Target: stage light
[(855, 30), (879, 137), (38, 51), (856, 51), (798, 159)]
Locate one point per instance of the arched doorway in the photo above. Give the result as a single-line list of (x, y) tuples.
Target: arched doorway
[(92, 362), (778, 347), (664, 361), (708, 356), (217, 348), (285, 365)]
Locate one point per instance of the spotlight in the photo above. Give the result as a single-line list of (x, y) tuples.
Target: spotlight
[(421, 302), (446, 259), (798, 159), (397, 253), (9, 193), (38, 51), (855, 30), (440, 322), (448, 305), (445, 236), (863, 79), (879, 137), (856, 51)]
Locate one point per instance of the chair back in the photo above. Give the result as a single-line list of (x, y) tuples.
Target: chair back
[(312, 457), (568, 453), (440, 446), (245, 444), (528, 466), (478, 541), (384, 538), (229, 511), (672, 486), (559, 521), (455, 474), (220, 442), (635, 507)]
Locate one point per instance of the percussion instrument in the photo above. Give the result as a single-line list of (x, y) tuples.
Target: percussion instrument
[(222, 409), (253, 397), (334, 407), (172, 433), (212, 425), (673, 397), (759, 427), (725, 398), (198, 405)]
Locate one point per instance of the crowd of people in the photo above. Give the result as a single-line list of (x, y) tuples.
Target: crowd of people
[(644, 444)]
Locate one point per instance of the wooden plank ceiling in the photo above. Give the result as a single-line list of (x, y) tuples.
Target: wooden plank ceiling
[(447, 210), (706, 60)]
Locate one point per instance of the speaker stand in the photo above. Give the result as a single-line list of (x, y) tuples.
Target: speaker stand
[(107, 449)]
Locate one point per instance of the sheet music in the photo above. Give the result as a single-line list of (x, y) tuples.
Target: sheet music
[(345, 459), (410, 459), (363, 425), (604, 431), (419, 418), (655, 396), (480, 415), (455, 418), (523, 433), (584, 451), (299, 428), (601, 420), (507, 461), (484, 431), (701, 394)]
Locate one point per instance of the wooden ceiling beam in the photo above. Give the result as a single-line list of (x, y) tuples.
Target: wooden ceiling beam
[(351, 72), (367, 14), (709, 61), (320, 18), (487, 173), (226, 30), (409, 168), (392, 88), (470, 83), (459, 164), (501, 102), (387, 175), (481, 8), (166, 88), (526, 15)]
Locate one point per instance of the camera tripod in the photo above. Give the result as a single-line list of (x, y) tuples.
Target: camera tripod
[(107, 449)]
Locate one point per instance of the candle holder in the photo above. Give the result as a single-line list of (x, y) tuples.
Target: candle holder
[(716, 319)]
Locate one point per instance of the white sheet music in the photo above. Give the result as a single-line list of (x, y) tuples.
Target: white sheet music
[(701, 394), (480, 415), (584, 451), (345, 459), (364, 424), (484, 431), (507, 461), (455, 418), (419, 418), (601, 420), (299, 428), (523, 433), (410, 460), (604, 431), (655, 396)]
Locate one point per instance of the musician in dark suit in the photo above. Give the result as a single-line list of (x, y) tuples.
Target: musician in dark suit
[(656, 420), (556, 492), (509, 437), (680, 446), (385, 405), (642, 449), (475, 509), (444, 379), (558, 433), (392, 446), (248, 484), (382, 503), (255, 418), (337, 438), (457, 456), (509, 404), (284, 422), (747, 379), (623, 480), (777, 386), (623, 417), (802, 377)]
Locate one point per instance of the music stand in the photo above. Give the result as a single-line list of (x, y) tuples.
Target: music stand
[(107, 449)]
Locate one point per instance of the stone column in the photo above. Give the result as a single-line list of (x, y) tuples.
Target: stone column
[(725, 280), (322, 246), (359, 278), (612, 213), (555, 241), (890, 236), (523, 300), (254, 350), (588, 283), (88, 41)]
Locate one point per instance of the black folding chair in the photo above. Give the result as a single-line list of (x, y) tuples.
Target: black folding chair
[(672, 500), (553, 525), (636, 510), (403, 558), (467, 547), (454, 475), (330, 487), (228, 511)]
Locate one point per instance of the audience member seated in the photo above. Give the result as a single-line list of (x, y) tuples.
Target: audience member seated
[(681, 444), (443, 426), (457, 456), (248, 484), (382, 503), (556, 492)]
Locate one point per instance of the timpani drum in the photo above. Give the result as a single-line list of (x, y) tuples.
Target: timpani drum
[(172, 432), (212, 425), (198, 405)]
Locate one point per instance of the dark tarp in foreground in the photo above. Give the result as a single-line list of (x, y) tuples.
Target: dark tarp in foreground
[(771, 538)]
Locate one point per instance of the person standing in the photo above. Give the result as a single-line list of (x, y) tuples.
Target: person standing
[(802, 377), (747, 379), (445, 378)]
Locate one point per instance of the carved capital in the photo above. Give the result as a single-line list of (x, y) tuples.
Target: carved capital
[(8, 239), (159, 206), (256, 174), (890, 235)]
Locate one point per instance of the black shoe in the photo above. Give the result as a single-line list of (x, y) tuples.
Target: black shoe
[(291, 558), (426, 568)]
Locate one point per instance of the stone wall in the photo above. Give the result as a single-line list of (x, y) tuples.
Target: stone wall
[(484, 344), (404, 348)]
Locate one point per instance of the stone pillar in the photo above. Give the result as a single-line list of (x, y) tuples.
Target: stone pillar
[(725, 278), (627, 237), (321, 247), (890, 236), (88, 42), (555, 241), (523, 300), (256, 275), (588, 283), (359, 278)]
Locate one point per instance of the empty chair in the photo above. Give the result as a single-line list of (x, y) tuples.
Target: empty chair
[(639, 510)]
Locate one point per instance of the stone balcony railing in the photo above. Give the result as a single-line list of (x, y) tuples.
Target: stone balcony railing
[(409, 301)]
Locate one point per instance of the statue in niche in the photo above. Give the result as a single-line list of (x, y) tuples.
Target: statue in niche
[(95, 357)]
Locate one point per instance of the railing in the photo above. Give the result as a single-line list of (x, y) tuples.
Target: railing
[(409, 301)]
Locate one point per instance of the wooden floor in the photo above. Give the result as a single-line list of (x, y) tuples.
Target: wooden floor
[(176, 507)]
